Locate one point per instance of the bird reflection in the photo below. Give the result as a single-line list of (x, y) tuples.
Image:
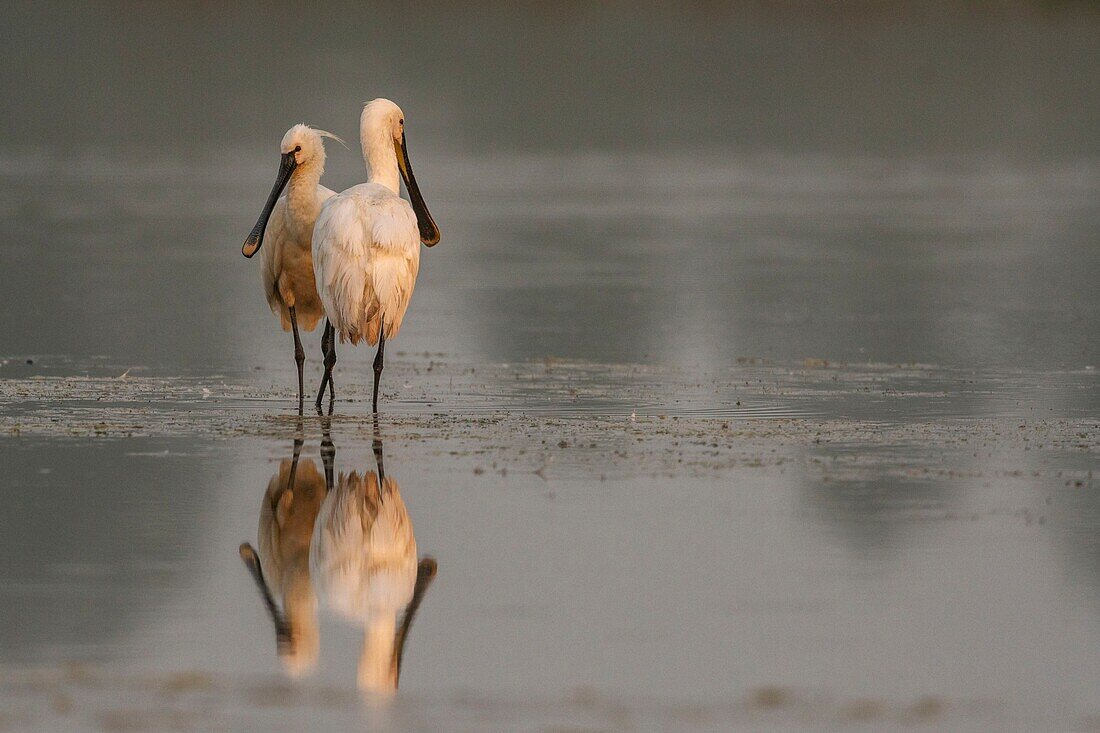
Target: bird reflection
[(346, 541), (281, 567)]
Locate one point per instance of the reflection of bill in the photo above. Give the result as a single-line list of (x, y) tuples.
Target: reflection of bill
[(353, 546)]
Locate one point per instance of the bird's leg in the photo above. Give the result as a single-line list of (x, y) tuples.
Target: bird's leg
[(299, 357), (328, 348), (330, 362), (378, 362), (324, 376)]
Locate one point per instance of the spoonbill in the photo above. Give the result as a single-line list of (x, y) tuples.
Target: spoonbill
[(281, 567), (287, 263), (366, 244), (363, 560)]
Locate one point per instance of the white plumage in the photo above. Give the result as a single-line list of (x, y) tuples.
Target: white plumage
[(286, 264), (366, 243), (285, 233), (366, 256)]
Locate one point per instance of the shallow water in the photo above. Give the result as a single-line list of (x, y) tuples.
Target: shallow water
[(857, 557), (785, 417)]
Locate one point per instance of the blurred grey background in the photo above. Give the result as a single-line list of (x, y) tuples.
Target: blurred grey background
[(1014, 78), (687, 183)]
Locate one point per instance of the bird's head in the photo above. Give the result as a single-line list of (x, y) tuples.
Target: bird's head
[(381, 116), (304, 144), (382, 125), (300, 149)]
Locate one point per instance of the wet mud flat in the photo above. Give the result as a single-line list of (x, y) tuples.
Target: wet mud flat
[(621, 547), (624, 419)]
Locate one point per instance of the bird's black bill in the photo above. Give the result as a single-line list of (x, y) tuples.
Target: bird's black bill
[(256, 237), (252, 562), (429, 232)]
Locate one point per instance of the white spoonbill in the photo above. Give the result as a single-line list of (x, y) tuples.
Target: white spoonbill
[(366, 244), (287, 262)]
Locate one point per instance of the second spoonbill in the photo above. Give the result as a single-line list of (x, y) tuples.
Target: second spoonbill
[(366, 244), (286, 227)]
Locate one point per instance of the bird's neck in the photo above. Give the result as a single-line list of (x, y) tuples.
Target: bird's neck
[(381, 159), (302, 192)]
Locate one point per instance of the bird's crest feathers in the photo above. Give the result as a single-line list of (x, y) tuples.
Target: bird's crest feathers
[(326, 133)]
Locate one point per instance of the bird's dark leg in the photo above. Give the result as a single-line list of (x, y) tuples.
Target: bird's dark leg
[(324, 376), (299, 357), (330, 362), (331, 383), (328, 348), (378, 362)]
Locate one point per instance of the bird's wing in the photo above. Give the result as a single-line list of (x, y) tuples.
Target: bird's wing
[(396, 261), (366, 253), (341, 253), (271, 255)]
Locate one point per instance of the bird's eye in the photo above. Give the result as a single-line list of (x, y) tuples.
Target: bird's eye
[(401, 121), (297, 148)]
